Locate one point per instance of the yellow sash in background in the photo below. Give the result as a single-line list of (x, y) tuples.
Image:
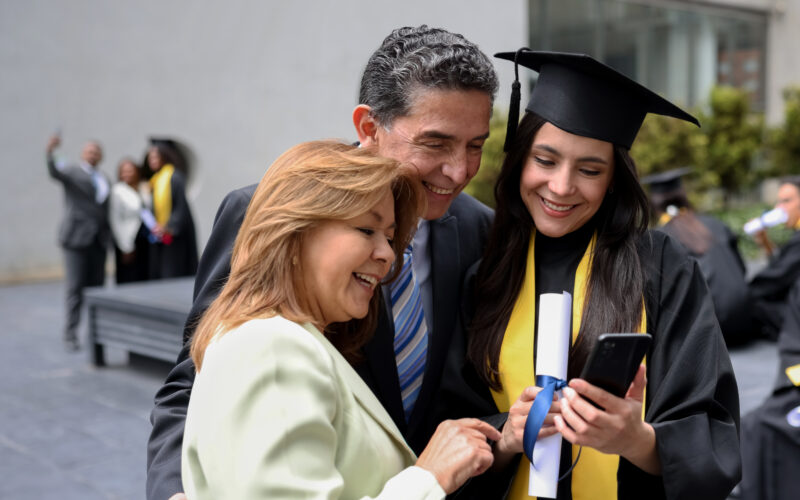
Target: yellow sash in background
[(161, 184)]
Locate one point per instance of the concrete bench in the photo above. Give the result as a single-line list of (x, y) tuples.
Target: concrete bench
[(145, 318)]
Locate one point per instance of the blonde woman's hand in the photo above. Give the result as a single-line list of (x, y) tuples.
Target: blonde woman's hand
[(618, 428), (457, 451), (514, 428)]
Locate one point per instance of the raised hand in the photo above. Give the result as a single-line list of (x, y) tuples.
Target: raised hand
[(53, 143)]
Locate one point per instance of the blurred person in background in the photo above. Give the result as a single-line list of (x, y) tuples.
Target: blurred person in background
[(173, 245), (771, 432), (712, 244), (770, 287), (126, 203), (84, 233)]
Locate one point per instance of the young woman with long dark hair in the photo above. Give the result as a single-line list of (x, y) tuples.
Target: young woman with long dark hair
[(572, 216)]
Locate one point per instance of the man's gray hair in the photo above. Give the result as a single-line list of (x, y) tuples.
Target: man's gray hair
[(410, 59)]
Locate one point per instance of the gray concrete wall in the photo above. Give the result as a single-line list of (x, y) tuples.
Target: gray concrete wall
[(238, 81)]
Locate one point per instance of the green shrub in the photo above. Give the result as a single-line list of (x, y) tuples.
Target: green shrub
[(722, 151), (784, 141), (482, 185), (734, 137)]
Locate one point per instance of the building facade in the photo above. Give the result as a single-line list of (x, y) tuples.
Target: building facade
[(682, 48)]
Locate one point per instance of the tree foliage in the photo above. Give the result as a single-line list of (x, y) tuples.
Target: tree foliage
[(734, 137), (722, 151), (784, 141), (482, 185)]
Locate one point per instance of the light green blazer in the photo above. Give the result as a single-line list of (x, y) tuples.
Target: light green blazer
[(276, 412)]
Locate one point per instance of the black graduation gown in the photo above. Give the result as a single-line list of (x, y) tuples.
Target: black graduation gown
[(770, 436), (138, 270), (179, 258), (724, 270), (770, 287), (692, 399)]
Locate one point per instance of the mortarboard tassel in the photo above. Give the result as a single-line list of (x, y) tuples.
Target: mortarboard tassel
[(513, 116), (513, 108)]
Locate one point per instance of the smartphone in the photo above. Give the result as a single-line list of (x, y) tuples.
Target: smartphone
[(613, 362)]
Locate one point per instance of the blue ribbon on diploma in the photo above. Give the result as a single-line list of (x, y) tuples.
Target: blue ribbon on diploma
[(541, 405)]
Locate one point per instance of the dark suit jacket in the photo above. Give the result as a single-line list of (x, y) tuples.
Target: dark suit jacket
[(85, 221), (457, 240)]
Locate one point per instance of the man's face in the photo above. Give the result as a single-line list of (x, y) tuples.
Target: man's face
[(442, 136), (789, 201), (92, 154)]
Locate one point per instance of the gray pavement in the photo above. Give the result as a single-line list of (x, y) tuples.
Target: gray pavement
[(70, 431), (67, 430)]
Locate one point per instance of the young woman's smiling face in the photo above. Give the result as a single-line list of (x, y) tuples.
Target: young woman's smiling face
[(565, 179)]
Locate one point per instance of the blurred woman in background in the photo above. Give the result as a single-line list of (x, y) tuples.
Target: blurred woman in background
[(124, 216), (714, 247), (173, 248)]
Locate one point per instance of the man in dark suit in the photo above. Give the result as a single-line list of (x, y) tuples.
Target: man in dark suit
[(84, 231), (426, 99)]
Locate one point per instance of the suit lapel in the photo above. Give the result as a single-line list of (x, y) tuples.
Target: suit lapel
[(363, 394), (379, 370), (83, 181), (445, 262)]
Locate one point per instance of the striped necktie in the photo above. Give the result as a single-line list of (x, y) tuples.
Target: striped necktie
[(410, 334)]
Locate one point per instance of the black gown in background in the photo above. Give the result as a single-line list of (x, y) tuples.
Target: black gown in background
[(180, 257), (771, 432), (770, 287), (692, 399), (724, 270)]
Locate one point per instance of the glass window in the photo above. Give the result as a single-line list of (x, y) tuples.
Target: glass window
[(678, 51)]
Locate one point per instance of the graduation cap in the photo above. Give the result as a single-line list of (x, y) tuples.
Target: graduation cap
[(666, 182), (583, 96)]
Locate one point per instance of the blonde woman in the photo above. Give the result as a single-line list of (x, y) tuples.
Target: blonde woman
[(277, 410)]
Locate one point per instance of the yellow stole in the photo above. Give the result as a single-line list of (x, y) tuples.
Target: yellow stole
[(161, 184), (595, 475)]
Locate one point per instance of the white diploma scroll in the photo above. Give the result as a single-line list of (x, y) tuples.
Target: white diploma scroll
[(552, 354)]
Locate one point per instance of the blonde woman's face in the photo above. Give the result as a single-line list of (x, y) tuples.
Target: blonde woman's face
[(342, 262)]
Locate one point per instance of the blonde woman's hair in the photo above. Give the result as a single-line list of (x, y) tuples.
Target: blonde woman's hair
[(309, 184)]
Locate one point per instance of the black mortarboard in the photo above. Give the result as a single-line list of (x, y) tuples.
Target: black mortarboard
[(585, 97), (666, 182)]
